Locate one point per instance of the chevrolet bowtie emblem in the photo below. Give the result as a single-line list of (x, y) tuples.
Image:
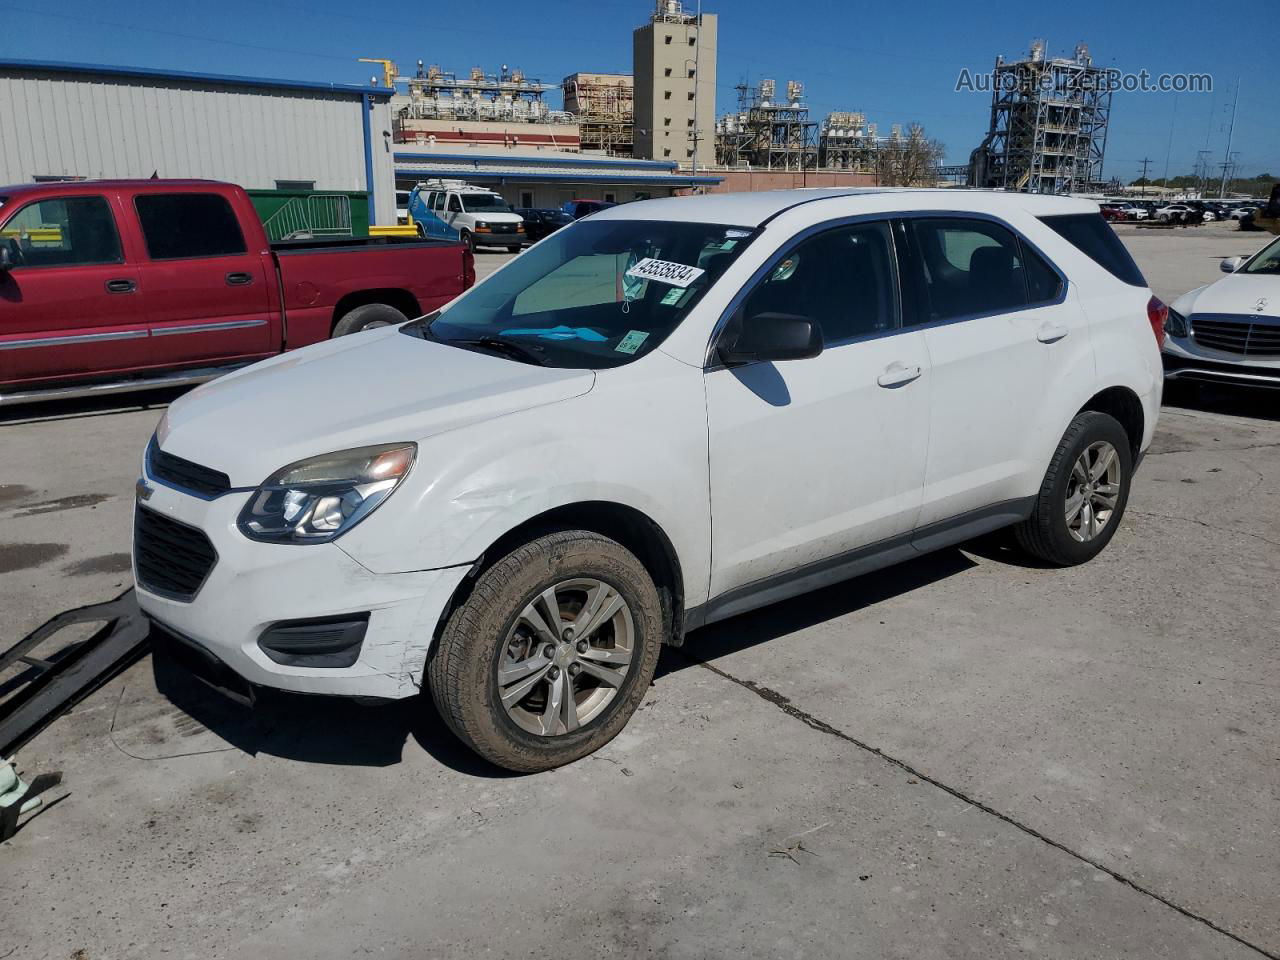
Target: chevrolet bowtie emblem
[(1261, 304), (143, 490)]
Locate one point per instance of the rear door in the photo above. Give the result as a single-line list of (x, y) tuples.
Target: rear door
[(208, 295), (996, 322), (71, 306)]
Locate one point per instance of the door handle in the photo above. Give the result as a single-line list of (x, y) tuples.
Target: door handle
[(239, 279), (121, 286), (898, 374), (1051, 331)]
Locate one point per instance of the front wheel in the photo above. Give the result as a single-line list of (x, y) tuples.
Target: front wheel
[(551, 654), (468, 239), (1083, 495), (368, 317)]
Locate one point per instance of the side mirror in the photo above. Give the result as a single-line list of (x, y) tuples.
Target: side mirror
[(6, 257), (770, 336), (1231, 264)]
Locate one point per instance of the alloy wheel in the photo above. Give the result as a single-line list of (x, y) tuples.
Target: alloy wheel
[(566, 656), (1093, 491)]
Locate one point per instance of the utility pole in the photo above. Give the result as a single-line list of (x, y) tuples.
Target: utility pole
[(1222, 194), (1146, 162)]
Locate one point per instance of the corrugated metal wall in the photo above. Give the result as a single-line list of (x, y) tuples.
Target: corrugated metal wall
[(109, 126)]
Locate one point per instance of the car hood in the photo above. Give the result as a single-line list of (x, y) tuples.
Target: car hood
[(375, 387), (1236, 293)]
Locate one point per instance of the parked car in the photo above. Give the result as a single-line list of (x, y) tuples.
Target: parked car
[(1135, 212), (457, 210), (584, 208), (542, 223), (1229, 331), (1179, 213), (1113, 213), (1239, 213), (657, 418), (108, 286), (402, 206)]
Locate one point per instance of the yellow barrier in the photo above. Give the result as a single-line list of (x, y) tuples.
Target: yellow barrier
[(36, 236), (408, 230)]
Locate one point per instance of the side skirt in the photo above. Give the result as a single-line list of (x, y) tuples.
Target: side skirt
[(855, 563)]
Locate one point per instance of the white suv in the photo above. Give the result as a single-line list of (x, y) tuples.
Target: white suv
[(670, 413)]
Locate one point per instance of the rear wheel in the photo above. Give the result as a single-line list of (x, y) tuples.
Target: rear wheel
[(367, 317), (1083, 495), (551, 654)]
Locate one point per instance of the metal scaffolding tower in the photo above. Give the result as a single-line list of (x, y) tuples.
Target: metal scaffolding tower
[(1048, 128), (768, 134), (504, 96)]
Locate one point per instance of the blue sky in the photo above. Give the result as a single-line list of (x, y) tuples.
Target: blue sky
[(896, 62)]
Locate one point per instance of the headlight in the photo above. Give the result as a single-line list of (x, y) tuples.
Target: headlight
[(317, 500), (482, 225), (1175, 325)]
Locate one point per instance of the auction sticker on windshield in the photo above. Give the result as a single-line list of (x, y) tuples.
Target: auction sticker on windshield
[(664, 271)]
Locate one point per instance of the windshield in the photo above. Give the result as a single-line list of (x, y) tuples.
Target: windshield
[(489, 202), (1266, 261), (594, 295)]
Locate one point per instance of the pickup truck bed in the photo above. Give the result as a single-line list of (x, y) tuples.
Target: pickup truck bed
[(108, 286)]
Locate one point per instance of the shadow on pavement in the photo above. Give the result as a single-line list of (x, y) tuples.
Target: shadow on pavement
[(315, 729), (780, 619), (1258, 403)]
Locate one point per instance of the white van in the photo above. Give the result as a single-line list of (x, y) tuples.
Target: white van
[(457, 210)]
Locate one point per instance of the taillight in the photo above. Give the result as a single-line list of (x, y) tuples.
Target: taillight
[(1157, 314)]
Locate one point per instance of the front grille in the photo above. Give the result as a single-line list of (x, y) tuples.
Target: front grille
[(504, 228), (1241, 335), (201, 480), (171, 558)]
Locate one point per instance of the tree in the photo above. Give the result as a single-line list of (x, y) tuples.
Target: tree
[(910, 161)]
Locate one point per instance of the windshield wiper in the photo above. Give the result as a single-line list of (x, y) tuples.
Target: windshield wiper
[(516, 351)]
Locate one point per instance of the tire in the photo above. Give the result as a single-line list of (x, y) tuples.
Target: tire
[(1164, 218), (1048, 533), (515, 249), (494, 630), (468, 238), (367, 317), (422, 231)]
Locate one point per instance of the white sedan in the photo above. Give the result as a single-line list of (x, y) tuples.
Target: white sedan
[(1229, 331)]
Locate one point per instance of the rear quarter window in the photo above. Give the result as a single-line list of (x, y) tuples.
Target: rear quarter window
[(1093, 236)]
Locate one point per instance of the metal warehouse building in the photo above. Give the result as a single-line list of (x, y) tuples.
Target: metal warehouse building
[(65, 120)]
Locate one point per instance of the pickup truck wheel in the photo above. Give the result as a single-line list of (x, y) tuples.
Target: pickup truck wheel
[(552, 652), (367, 317), (1083, 495)]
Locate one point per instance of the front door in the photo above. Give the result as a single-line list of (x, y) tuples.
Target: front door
[(208, 296), (69, 304), (817, 460)]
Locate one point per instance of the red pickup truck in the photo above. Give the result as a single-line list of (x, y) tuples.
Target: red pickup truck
[(119, 285)]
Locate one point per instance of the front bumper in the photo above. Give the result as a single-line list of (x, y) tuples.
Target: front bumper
[(1185, 360), (254, 585)]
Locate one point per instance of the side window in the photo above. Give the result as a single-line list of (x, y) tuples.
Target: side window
[(843, 278), (1093, 237), (455, 205), (968, 266), (1043, 282), (437, 202), (181, 226), (67, 232)]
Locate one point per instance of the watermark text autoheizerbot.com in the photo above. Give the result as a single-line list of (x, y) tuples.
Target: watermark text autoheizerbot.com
[(1102, 81)]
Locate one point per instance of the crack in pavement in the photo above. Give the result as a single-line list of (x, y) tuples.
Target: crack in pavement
[(1207, 525), (783, 703)]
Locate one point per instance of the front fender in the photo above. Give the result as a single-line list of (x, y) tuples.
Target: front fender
[(639, 440)]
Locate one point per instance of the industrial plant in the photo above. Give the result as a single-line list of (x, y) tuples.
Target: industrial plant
[(1048, 131)]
